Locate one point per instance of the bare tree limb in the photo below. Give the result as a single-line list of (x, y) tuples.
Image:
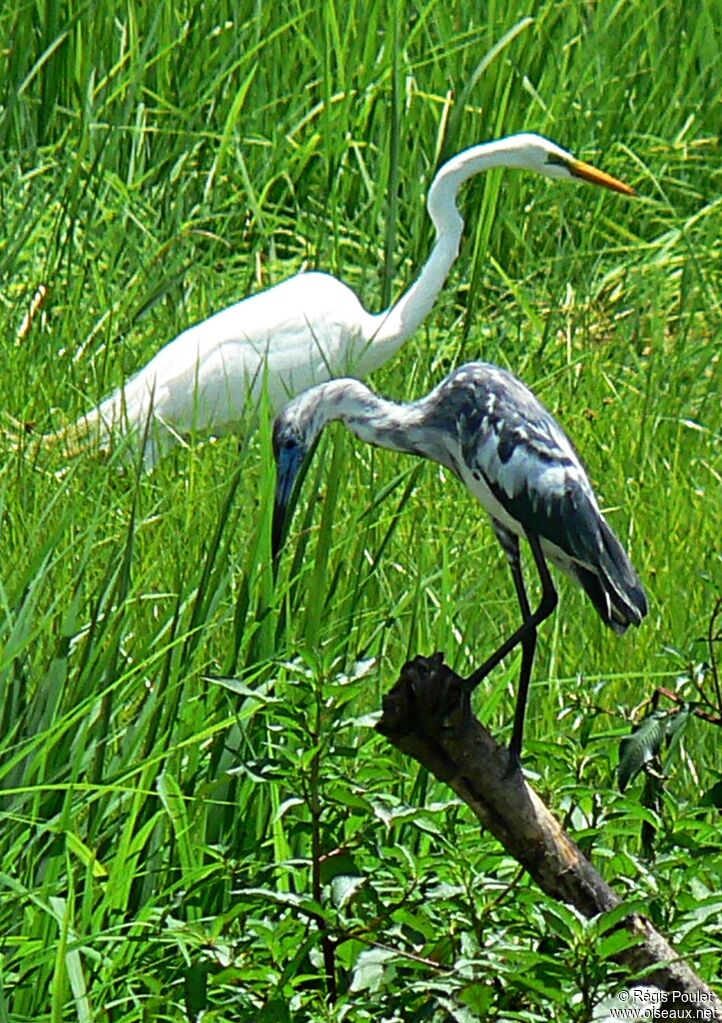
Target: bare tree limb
[(428, 717)]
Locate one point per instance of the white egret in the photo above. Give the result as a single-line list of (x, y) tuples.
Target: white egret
[(488, 428), (305, 330)]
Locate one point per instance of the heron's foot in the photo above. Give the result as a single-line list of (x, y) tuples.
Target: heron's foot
[(467, 685), (513, 766), (477, 676)]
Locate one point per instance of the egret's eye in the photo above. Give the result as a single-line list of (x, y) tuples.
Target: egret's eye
[(557, 161)]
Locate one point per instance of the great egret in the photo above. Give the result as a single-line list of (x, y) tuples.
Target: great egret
[(306, 329), (488, 428)]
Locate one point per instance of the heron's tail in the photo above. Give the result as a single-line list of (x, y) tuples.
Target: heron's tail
[(614, 587)]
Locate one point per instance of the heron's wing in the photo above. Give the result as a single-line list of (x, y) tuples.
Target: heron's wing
[(509, 439), (531, 469)]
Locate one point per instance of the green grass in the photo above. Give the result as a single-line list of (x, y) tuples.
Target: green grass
[(172, 843)]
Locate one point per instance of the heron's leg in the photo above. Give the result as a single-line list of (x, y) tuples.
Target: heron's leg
[(526, 635), (528, 649), (510, 543)]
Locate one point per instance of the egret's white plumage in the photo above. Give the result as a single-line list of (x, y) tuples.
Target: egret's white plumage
[(490, 430), (304, 330)]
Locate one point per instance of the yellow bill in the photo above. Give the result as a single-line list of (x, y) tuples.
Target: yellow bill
[(588, 173)]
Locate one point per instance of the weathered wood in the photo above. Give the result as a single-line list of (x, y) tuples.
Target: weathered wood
[(428, 717)]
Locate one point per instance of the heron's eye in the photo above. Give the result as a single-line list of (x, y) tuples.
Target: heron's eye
[(289, 443)]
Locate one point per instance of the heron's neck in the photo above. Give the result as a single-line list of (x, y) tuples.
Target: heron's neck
[(375, 420), (402, 319)]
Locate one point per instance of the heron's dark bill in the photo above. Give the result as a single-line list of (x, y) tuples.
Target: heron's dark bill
[(586, 172), (278, 529), (288, 465)]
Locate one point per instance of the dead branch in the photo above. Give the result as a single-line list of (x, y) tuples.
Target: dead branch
[(428, 717)]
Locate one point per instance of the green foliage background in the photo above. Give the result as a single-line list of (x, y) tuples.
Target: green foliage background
[(172, 846)]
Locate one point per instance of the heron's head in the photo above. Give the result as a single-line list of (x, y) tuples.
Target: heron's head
[(290, 448), (298, 427), (534, 152), (295, 432)]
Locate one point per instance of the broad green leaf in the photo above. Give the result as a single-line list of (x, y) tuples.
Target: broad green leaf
[(641, 747)]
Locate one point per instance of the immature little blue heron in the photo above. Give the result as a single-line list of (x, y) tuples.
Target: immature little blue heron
[(486, 427), (306, 329)]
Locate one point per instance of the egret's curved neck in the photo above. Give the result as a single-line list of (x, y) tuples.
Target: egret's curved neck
[(399, 322)]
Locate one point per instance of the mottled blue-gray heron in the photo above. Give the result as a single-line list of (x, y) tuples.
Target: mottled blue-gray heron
[(304, 330), (490, 430)]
